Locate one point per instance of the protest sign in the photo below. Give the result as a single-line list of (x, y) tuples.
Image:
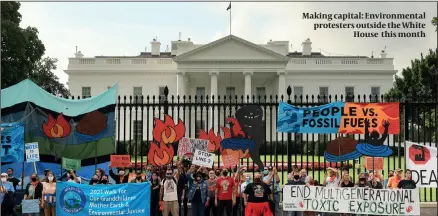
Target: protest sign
[(12, 142), (353, 200), (121, 161), (203, 158), (373, 163), (229, 161), (30, 206), (120, 199), (187, 146), (422, 161), (32, 152), (71, 164), (338, 117)]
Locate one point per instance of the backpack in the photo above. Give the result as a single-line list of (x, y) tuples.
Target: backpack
[(174, 180)]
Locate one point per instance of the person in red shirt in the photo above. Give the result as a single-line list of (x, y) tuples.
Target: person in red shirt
[(225, 199)]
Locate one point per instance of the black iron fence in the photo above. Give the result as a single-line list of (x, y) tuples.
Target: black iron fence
[(135, 122)]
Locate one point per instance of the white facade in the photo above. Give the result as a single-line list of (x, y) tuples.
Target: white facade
[(210, 69)]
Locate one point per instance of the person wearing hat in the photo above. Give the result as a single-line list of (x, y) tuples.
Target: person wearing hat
[(393, 181), (138, 177), (273, 180), (6, 195)]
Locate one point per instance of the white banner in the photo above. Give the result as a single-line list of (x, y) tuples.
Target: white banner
[(422, 160), (352, 200), (203, 158)]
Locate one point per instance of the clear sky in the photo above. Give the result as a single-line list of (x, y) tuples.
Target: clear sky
[(126, 28)]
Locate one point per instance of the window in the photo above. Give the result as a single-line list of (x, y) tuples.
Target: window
[(161, 93), (349, 94), (260, 93), (200, 124), (137, 130), (137, 92), (86, 92), (298, 92), (231, 91), (200, 93), (323, 94), (375, 94)]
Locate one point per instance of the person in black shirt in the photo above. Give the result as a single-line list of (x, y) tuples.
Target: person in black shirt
[(346, 182), (12, 179), (294, 179), (182, 186), (256, 196), (407, 183)]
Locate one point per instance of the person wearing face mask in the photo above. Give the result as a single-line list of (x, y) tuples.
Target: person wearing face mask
[(105, 180), (183, 183), (393, 181), (6, 195), (72, 177), (211, 182), (148, 174), (303, 175), (49, 195), (94, 180), (97, 178), (138, 177), (155, 194), (362, 182), (15, 182), (218, 173), (294, 179), (168, 194), (239, 179), (198, 194), (34, 189), (120, 178), (407, 183), (225, 198), (273, 180), (256, 197)]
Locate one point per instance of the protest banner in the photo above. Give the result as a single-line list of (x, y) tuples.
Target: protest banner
[(32, 152), (120, 199), (30, 206), (229, 161), (12, 142), (203, 158), (120, 161), (373, 163), (71, 164), (338, 117), (189, 145), (422, 161), (353, 200)]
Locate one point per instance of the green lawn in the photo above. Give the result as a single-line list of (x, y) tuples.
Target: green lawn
[(390, 163)]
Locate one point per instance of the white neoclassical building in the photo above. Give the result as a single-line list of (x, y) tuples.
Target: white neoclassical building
[(230, 66)]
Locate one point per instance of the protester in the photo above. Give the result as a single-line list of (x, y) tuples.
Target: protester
[(390, 174), (72, 177), (273, 180), (168, 194), (375, 183), (331, 177), (122, 177), (303, 174), (218, 172), (407, 183), (49, 195), (94, 180), (393, 181), (345, 170), (34, 190), (182, 187), (362, 182), (256, 196), (148, 175), (198, 195), (346, 181), (7, 200), (105, 180), (155, 194), (310, 182), (15, 182), (225, 199), (99, 174), (138, 177), (239, 179), (294, 179), (211, 182)]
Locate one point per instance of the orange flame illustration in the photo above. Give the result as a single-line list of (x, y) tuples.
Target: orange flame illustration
[(214, 142), (160, 155), (409, 209), (167, 132), (301, 204), (58, 128)]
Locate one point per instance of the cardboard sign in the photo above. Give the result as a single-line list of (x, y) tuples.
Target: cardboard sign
[(121, 161), (32, 152), (422, 161), (188, 146), (229, 161), (30, 206), (376, 165), (351, 200), (71, 164), (203, 158)]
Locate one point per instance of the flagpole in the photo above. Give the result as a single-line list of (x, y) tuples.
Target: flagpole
[(230, 18)]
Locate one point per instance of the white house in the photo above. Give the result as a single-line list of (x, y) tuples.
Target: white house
[(228, 66)]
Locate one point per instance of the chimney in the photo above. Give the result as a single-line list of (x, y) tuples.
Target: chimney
[(155, 51), (307, 47), (383, 54), (79, 54)]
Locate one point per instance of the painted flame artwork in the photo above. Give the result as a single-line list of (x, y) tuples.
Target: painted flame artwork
[(165, 134), (56, 128), (214, 141), (237, 131)]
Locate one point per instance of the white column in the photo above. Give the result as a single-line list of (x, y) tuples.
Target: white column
[(282, 84), (181, 83), (214, 111), (248, 85)]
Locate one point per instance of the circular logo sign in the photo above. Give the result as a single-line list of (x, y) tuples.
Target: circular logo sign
[(419, 154), (72, 199)]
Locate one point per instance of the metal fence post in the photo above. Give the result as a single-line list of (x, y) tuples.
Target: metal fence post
[(289, 135)]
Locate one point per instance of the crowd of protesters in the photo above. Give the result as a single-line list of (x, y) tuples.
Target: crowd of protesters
[(210, 191)]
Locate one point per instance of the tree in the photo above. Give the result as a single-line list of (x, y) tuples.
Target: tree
[(22, 54), (434, 22)]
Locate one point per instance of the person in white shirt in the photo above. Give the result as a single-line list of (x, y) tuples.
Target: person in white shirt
[(72, 177), (169, 194), (331, 180)]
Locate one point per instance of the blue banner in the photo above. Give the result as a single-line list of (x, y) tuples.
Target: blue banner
[(121, 199), (12, 142)]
